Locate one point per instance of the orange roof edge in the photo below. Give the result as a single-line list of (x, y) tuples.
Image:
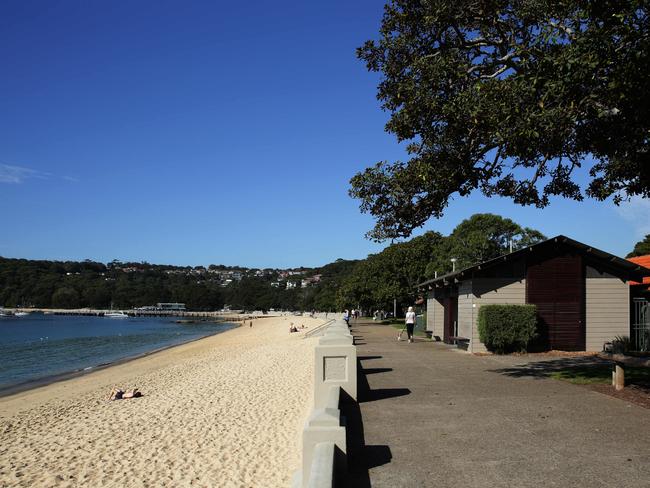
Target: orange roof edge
[(643, 261)]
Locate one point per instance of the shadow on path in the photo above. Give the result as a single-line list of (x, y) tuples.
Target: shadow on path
[(361, 457), (376, 370), (544, 369)]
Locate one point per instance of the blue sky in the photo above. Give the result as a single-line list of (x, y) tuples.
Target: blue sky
[(209, 132)]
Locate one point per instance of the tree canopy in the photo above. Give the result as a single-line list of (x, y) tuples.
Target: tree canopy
[(73, 284), (395, 272), (391, 274), (487, 236), (523, 99), (641, 248)]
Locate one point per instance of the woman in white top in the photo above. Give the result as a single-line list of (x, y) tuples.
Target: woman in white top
[(410, 323)]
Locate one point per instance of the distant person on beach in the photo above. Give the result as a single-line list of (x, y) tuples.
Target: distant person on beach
[(410, 323)]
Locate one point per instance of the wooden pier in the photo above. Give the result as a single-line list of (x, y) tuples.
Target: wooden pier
[(229, 316)]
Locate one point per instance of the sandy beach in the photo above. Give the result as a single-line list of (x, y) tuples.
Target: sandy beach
[(225, 411)]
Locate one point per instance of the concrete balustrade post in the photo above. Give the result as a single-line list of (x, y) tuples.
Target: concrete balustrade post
[(335, 365)]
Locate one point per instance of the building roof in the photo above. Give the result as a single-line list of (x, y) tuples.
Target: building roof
[(628, 268), (643, 261)]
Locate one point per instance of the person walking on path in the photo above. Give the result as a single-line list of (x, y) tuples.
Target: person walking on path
[(410, 323), (346, 317)]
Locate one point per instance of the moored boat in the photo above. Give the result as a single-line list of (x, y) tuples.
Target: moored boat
[(116, 315)]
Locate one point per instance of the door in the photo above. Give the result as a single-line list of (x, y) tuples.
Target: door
[(451, 316), (556, 286)]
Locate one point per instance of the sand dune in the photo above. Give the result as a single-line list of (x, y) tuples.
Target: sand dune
[(226, 411)]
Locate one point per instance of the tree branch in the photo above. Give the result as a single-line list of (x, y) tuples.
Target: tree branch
[(560, 26)]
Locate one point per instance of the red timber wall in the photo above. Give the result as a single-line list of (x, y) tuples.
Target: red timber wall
[(557, 286)]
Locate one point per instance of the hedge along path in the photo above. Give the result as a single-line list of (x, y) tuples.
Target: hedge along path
[(507, 328)]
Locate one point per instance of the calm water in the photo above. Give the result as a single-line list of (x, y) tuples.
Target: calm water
[(38, 346)]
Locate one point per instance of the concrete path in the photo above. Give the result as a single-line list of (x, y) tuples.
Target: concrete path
[(430, 415)]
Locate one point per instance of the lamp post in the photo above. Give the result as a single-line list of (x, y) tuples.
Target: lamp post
[(453, 264)]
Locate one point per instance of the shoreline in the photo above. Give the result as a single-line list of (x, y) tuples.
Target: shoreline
[(31, 385)]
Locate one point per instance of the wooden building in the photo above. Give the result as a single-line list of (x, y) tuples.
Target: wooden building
[(581, 293)]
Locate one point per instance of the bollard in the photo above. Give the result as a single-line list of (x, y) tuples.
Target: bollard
[(620, 377)]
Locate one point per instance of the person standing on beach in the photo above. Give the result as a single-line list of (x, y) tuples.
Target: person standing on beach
[(410, 323)]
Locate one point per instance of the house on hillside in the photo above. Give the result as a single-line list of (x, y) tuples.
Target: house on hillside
[(581, 293)]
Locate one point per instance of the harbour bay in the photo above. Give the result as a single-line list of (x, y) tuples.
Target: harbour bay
[(38, 349)]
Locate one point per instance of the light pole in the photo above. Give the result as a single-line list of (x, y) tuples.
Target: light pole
[(453, 264)]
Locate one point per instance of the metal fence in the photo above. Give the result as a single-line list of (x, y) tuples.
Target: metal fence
[(641, 324)]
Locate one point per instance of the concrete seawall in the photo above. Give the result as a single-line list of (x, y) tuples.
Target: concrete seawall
[(324, 439)]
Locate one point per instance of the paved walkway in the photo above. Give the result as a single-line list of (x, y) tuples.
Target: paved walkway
[(429, 415)]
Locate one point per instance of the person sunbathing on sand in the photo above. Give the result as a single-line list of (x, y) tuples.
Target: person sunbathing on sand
[(134, 393), (118, 394)]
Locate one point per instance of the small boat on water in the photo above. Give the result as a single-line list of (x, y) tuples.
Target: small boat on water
[(21, 314), (5, 313), (116, 315)]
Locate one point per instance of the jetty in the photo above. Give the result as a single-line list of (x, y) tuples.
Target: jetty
[(231, 316)]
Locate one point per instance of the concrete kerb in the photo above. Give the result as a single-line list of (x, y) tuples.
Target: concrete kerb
[(335, 338), (324, 425), (322, 470)]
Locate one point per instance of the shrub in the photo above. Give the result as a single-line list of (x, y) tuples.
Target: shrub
[(507, 328), (622, 345)]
